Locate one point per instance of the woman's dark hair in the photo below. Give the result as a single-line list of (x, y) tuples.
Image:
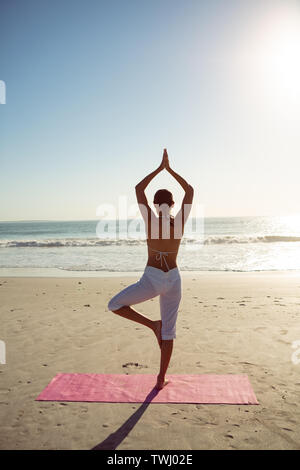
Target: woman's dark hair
[(163, 196)]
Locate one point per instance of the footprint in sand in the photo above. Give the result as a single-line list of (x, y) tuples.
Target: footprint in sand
[(135, 365), (282, 341)]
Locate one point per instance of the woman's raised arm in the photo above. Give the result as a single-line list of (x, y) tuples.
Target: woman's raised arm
[(189, 193), (181, 181), (141, 196), (144, 183)]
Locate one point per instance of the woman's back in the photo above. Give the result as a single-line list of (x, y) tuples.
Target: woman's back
[(163, 241), (164, 233)]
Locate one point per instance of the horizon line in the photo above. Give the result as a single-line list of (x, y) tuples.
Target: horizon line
[(95, 220)]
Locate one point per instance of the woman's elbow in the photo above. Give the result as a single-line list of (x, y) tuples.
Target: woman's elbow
[(190, 189)]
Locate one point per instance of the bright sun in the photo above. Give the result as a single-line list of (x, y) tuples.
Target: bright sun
[(268, 55), (280, 56)]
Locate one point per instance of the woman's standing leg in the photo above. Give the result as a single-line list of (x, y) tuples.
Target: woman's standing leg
[(169, 304), (166, 353)]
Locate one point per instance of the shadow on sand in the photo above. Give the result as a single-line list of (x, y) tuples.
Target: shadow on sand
[(115, 439)]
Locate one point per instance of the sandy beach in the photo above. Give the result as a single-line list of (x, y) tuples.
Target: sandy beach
[(236, 323)]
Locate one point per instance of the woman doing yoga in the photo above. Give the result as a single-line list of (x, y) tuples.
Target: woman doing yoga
[(161, 275)]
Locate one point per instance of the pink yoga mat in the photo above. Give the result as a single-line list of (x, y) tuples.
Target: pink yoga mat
[(122, 388)]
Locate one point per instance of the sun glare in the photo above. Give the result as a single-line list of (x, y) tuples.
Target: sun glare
[(268, 55), (280, 56)]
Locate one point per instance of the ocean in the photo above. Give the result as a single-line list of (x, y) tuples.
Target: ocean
[(209, 244)]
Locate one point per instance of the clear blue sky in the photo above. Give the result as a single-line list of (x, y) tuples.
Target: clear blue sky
[(96, 90)]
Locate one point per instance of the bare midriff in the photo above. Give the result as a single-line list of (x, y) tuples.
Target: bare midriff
[(155, 260)]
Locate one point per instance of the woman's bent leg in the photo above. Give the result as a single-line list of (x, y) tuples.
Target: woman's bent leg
[(128, 312), (131, 314), (136, 293)]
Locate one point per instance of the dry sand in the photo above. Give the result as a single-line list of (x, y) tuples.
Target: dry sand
[(235, 323)]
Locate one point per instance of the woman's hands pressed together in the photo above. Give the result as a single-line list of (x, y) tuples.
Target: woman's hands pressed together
[(165, 161)]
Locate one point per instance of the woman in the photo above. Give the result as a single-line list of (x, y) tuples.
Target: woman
[(161, 275)]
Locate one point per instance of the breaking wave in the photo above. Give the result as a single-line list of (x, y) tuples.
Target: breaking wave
[(95, 242), (213, 240)]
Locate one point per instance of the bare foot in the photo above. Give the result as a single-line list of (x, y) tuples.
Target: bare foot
[(161, 383), (157, 331)]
